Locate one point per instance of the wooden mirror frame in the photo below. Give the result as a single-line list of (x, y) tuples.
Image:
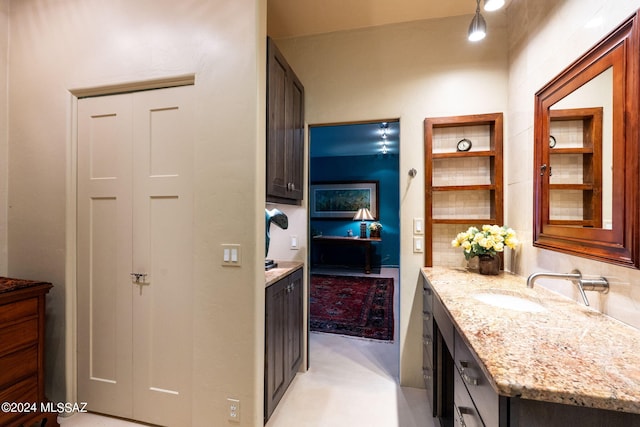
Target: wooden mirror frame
[(619, 245)]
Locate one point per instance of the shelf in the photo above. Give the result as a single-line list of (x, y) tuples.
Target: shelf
[(582, 187), (461, 183), (470, 221), (462, 154), (571, 150), (479, 187)]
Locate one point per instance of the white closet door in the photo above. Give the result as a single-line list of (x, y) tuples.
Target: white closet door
[(162, 236), (104, 254), (157, 334)]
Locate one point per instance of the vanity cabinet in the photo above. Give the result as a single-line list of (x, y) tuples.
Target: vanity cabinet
[(22, 334), (463, 394), (462, 188), (428, 372), (285, 130), (283, 337)]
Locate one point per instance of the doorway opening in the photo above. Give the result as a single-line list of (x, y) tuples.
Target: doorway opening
[(352, 166)]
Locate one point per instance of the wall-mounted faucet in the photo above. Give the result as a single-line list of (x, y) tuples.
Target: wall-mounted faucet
[(598, 285)]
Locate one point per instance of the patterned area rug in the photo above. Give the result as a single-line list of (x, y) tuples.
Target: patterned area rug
[(354, 306)]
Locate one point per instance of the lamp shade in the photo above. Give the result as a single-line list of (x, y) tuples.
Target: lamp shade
[(363, 214), (478, 28)]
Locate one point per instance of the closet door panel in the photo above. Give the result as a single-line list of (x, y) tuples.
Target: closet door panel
[(104, 254), (163, 215)]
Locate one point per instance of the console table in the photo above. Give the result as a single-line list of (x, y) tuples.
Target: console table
[(354, 241)]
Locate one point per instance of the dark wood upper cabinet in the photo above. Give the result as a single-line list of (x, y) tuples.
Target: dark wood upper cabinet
[(586, 176), (285, 130)]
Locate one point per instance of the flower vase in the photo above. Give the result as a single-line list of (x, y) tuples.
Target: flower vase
[(374, 234), (489, 264)]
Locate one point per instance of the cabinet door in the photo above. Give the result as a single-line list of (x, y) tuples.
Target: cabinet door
[(294, 324), (275, 342), (285, 130), (295, 138), (277, 70)]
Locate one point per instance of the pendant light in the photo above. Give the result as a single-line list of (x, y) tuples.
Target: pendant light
[(478, 27)]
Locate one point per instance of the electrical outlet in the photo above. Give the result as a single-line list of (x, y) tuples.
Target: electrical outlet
[(234, 409)]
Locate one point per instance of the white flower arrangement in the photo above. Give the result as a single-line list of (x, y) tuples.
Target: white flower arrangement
[(375, 226), (488, 241)]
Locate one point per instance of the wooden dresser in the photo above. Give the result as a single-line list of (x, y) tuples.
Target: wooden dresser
[(22, 325)]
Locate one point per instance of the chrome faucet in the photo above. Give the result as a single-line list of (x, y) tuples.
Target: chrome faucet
[(598, 285)]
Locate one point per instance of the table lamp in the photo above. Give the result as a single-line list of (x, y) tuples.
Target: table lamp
[(363, 215)]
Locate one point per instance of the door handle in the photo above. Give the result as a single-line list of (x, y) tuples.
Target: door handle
[(138, 276)]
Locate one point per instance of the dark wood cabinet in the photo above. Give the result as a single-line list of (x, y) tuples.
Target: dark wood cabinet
[(285, 130), (463, 394), (22, 329), (283, 337)]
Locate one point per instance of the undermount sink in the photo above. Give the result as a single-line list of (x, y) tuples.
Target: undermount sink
[(509, 301)]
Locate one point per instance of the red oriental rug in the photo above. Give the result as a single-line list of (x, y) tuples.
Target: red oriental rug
[(354, 306)]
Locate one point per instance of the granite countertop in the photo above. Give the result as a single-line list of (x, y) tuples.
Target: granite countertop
[(567, 353), (283, 269)]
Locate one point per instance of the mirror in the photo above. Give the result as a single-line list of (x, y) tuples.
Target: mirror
[(586, 154)]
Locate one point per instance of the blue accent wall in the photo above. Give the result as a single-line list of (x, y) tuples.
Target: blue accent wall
[(381, 168)]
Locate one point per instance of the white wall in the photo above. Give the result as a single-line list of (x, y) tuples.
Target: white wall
[(58, 45), (410, 71), (545, 36), (4, 148)]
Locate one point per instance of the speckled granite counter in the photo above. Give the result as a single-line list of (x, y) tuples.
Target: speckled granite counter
[(283, 269), (566, 353)]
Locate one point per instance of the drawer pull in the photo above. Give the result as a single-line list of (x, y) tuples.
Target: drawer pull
[(426, 292), (138, 276), (465, 376), (459, 416), (426, 340), (426, 315)]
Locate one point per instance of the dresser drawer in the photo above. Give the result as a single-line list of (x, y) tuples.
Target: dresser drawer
[(26, 391), (18, 310), (18, 335), (485, 398), (19, 364)]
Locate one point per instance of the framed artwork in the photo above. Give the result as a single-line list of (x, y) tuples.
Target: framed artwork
[(342, 199)]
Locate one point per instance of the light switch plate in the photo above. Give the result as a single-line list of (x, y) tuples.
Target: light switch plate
[(231, 255), (418, 225), (418, 245)]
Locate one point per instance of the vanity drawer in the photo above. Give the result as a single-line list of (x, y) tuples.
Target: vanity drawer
[(427, 295), (465, 413), (427, 356), (445, 325), (485, 398)]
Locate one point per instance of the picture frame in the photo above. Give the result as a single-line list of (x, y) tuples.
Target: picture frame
[(342, 199)]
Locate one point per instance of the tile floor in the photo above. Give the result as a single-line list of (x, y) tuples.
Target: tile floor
[(351, 383)]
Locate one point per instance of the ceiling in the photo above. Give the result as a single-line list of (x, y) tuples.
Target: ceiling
[(358, 139), (295, 18), (298, 18)]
